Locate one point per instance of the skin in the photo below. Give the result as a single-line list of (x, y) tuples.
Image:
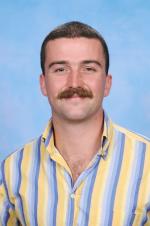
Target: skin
[(77, 62)]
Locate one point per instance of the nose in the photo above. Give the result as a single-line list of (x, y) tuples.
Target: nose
[(75, 79)]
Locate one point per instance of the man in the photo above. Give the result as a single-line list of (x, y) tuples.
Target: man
[(83, 170)]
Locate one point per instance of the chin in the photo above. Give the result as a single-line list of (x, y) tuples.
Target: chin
[(75, 120), (77, 117), (76, 114)]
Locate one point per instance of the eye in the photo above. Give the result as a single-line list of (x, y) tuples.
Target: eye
[(90, 69), (61, 69)]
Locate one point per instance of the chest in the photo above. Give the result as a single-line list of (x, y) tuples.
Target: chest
[(112, 192)]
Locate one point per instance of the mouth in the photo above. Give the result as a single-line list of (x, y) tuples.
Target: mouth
[(74, 97)]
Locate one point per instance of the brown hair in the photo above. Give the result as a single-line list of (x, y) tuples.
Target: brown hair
[(74, 29)]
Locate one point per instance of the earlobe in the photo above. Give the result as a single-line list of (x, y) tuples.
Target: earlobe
[(108, 85), (43, 85)]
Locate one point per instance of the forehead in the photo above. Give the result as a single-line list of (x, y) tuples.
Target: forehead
[(74, 48)]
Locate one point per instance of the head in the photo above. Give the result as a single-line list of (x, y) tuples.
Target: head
[(75, 62), (74, 29)]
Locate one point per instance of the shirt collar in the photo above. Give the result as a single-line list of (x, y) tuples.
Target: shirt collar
[(48, 137), (106, 136)]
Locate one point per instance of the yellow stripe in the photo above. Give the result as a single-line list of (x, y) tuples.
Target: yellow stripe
[(99, 194), (77, 203), (9, 176), (25, 171), (42, 189), (96, 210), (12, 219), (123, 182), (62, 196), (144, 191), (56, 156)]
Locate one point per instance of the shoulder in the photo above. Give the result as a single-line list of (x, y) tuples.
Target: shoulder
[(131, 135), (20, 162), (26, 152)]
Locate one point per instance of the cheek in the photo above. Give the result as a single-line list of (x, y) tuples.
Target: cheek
[(55, 84), (52, 91), (53, 88), (97, 87)]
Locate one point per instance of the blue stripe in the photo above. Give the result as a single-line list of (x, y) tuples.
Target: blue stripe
[(48, 137), (18, 183), (145, 218), (70, 212), (139, 173), (4, 182), (70, 209), (86, 196), (68, 179), (89, 195), (9, 204), (112, 180), (37, 168), (33, 183), (116, 173), (53, 193), (6, 214), (49, 192)]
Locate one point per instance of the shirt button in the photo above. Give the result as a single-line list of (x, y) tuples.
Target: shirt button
[(72, 195)]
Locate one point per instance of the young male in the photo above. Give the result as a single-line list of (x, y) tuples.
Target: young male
[(83, 170)]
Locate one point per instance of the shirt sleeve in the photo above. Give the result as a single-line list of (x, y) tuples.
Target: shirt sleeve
[(7, 210)]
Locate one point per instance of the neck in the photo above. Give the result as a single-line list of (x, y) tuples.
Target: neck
[(78, 142)]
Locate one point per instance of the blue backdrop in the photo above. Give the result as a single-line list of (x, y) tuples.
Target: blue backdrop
[(24, 112)]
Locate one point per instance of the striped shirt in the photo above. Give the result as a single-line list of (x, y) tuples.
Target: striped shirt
[(114, 190)]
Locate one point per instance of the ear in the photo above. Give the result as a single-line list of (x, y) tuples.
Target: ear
[(108, 84), (43, 85)]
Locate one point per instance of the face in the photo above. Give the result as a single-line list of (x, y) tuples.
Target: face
[(75, 80)]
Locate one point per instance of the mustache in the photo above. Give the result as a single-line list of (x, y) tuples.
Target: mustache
[(81, 92)]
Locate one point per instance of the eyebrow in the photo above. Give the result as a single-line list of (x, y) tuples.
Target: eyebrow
[(57, 62), (92, 62), (82, 62)]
